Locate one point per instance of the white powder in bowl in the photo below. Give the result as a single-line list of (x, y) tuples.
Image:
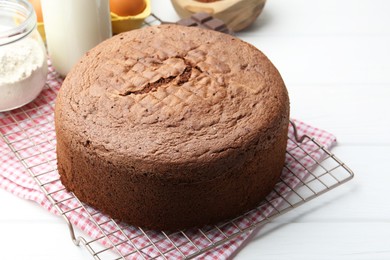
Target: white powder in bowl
[(23, 72)]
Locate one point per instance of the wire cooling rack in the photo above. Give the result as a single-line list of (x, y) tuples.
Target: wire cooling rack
[(310, 171)]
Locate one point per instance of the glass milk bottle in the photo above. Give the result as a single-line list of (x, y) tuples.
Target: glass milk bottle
[(73, 27)]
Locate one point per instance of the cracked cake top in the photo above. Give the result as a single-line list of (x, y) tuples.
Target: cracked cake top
[(172, 93)]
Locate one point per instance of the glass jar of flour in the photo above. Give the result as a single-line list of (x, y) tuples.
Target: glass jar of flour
[(23, 63)]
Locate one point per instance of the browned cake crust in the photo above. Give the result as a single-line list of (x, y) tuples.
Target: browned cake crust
[(170, 127)]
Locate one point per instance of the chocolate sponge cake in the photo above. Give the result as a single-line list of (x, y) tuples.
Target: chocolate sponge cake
[(170, 127)]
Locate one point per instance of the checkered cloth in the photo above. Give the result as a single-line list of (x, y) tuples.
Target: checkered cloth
[(28, 142)]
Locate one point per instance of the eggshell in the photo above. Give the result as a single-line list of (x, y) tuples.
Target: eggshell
[(127, 7)]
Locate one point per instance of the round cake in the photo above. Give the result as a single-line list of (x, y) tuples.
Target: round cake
[(170, 127)]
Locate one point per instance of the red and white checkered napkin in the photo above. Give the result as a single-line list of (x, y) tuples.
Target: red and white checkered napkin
[(29, 142)]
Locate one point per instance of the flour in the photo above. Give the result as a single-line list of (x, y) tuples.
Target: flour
[(23, 71)]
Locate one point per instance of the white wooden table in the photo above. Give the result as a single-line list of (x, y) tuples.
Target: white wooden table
[(334, 56)]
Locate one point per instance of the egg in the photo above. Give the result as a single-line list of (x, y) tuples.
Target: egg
[(127, 7), (38, 10)]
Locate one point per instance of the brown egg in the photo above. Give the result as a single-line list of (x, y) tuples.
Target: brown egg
[(38, 10), (127, 7)]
